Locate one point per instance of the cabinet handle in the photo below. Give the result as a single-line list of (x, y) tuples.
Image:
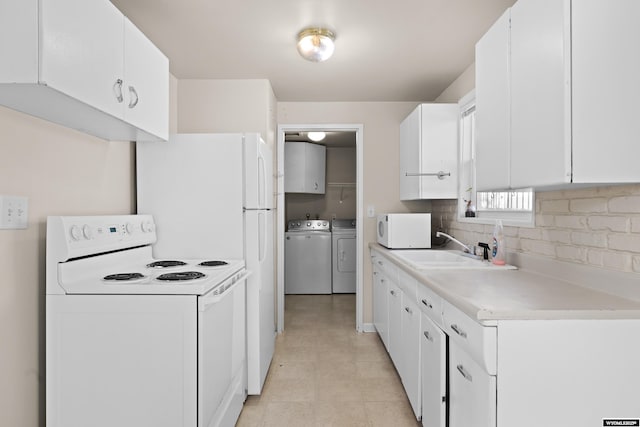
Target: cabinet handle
[(458, 331), (393, 293), (375, 273), (408, 310), (440, 174), (427, 303), (134, 97), (117, 90), (427, 335), (380, 262), (467, 376), (382, 280)]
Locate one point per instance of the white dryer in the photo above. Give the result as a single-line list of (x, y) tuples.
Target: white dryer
[(307, 257), (343, 275)]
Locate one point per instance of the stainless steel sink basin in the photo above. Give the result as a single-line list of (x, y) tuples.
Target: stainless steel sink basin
[(426, 259)]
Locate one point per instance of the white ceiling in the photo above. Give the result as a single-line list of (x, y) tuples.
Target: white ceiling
[(400, 50)]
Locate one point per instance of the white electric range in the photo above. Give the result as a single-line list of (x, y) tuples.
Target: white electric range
[(135, 341)]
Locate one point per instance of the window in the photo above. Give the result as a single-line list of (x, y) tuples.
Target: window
[(514, 207)]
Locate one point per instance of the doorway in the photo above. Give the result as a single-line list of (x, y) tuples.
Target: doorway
[(343, 197)]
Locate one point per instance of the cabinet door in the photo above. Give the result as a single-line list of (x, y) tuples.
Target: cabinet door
[(409, 159), (82, 47), (605, 90), (439, 151), (381, 306), (540, 93), (433, 361), (395, 325), (472, 392), (315, 162), (410, 373), (146, 84), (429, 145), (492, 140), (294, 163)]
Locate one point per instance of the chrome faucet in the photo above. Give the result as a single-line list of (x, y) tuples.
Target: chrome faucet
[(453, 239)]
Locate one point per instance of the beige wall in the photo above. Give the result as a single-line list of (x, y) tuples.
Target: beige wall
[(62, 172), (595, 226), (338, 200), (227, 106), (381, 136)]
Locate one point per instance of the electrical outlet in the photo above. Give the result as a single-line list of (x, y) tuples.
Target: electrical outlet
[(371, 211), (13, 212)]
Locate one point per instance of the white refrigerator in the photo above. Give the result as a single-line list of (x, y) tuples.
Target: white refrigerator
[(211, 196)]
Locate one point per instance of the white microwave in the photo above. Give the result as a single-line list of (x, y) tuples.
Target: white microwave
[(405, 230)]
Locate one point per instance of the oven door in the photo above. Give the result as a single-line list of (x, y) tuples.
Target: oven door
[(221, 353)]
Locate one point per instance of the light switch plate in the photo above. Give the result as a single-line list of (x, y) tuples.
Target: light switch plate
[(14, 212)]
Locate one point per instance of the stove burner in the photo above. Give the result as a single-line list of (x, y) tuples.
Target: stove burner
[(166, 263), (123, 277), (212, 263), (181, 276)]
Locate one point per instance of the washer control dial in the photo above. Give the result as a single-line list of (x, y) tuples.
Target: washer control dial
[(76, 232)]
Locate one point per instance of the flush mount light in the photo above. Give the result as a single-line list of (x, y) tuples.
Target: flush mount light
[(316, 136), (316, 44)]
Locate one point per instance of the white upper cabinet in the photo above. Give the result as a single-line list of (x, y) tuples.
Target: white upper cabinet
[(304, 167), (145, 91), (493, 107), (429, 153), (73, 62), (570, 81)]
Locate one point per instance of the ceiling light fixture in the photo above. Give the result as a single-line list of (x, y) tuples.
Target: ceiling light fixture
[(316, 44), (316, 136)]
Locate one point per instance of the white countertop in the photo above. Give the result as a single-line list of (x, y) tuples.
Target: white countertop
[(489, 295)]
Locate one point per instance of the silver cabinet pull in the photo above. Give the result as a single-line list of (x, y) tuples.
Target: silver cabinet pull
[(427, 303), (467, 376), (440, 174), (458, 331), (408, 310), (427, 335), (117, 90), (134, 97)]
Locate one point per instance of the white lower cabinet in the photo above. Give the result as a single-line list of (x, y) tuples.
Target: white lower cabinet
[(433, 374), (472, 391), (381, 305), (410, 373), (395, 325)]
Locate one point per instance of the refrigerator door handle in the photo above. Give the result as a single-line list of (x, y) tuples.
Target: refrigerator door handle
[(262, 185)]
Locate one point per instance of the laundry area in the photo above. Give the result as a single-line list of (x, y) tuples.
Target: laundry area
[(320, 211)]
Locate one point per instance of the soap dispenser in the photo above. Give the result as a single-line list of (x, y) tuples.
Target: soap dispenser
[(498, 251)]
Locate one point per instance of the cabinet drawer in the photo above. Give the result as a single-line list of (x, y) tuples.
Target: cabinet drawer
[(477, 340), (386, 267), (430, 304), (408, 285)]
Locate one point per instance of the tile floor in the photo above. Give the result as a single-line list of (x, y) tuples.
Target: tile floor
[(324, 373)]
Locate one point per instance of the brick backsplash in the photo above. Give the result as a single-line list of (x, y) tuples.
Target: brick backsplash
[(597, 226)]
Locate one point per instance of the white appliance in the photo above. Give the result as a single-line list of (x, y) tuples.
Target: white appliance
[(139, 342), (211, 196), (404, 230), (344, 256), (307, 257)]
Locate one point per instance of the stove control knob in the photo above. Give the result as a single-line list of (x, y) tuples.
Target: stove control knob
[(87, 232), (147, 227), (130, 229), (76, 233)]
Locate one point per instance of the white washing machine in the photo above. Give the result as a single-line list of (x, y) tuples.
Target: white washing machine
[(307, 257), (343, 275)]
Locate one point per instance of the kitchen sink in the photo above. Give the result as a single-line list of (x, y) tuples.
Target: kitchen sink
[(425, 259)]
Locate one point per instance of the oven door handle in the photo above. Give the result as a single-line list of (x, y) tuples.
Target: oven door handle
[(212, 297)]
